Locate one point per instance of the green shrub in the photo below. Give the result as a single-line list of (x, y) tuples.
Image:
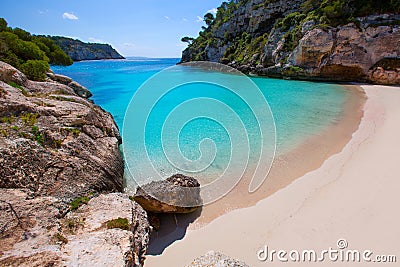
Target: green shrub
[(77, 202), (29, 118), (57, 143), (23, 91), (38, 137), (35, 69), (15, 85), (18, 47), (120, 223), (9, 119)]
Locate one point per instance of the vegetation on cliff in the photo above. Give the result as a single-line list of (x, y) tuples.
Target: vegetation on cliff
[(31, 54), (256, 35), (241, 44), (79, 50)]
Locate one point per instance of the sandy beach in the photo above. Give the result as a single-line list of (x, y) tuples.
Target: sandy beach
[(352, 196)]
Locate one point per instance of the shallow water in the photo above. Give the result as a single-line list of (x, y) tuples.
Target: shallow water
[(204, 146)]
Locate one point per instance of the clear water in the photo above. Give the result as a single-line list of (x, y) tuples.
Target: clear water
[(300, 109)]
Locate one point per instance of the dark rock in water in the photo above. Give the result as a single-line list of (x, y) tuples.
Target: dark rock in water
[(174, 192)]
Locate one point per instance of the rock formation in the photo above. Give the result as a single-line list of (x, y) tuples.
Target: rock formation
[(79, 50), (54, 142), (34, 235), (59, 156), (284, 39), (172, 192)]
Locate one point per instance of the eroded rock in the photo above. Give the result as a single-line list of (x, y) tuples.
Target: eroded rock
[(174, 191), (33, 233), (56, 143)]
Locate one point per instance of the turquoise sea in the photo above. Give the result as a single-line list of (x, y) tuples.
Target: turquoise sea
[(199, 137)]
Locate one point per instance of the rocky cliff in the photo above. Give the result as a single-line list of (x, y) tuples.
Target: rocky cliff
[(60, 163), (79, 50), (305, 39)]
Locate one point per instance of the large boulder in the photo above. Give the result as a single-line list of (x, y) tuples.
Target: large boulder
[(173, 193)]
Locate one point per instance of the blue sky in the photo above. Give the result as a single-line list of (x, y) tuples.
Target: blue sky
[(151, 28)]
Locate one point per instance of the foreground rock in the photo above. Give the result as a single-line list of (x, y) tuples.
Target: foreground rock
[(54, 142), (95, 243), (174, 191), (59, 152), (213, 258), (33, 235)]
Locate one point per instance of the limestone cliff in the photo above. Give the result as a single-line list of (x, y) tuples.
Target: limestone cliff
[(304, 39), (60, 164), (79, 50)]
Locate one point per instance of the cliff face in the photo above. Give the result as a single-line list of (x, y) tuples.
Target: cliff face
[(296, 40), (79, 50), (58, 151), (54, 142)]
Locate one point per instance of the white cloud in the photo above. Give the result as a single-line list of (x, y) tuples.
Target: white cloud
[(70, 16), (95, 40), (199, 19), (185, 19), (213, 11), (166, 17)]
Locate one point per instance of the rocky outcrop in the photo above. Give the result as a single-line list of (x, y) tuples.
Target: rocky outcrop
[(93, 241), (346, 53), (282, 39), (80, 90), (213, 258), (54, 142), (60, 161), (79, 50), (33, 235), (254, 17), (170, 195)]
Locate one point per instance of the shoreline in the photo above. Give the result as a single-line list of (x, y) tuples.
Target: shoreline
[(308, 156), (350, 196), (314, 149)]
